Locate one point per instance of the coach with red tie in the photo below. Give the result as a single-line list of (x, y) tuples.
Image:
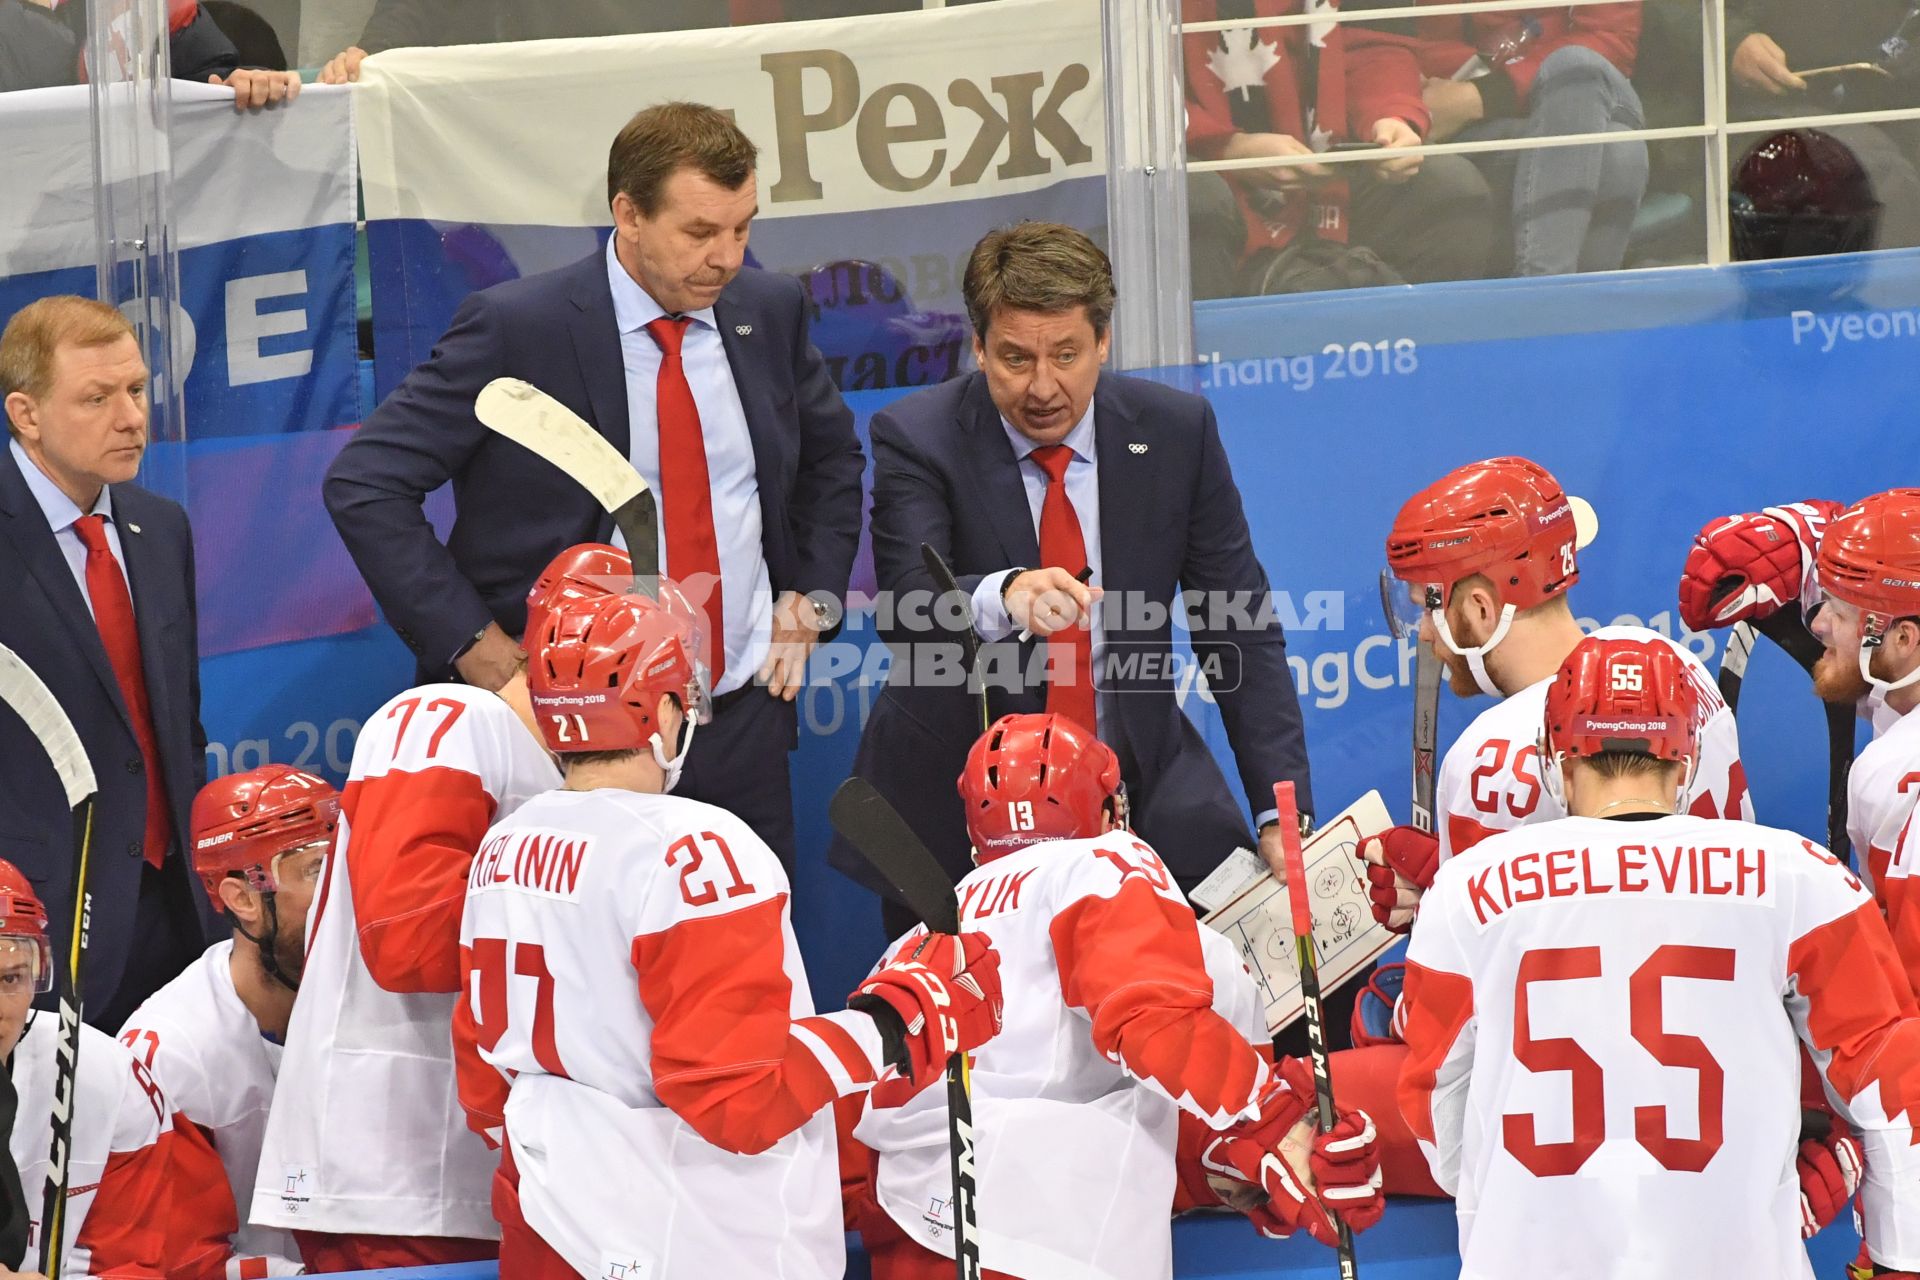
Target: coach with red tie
[(699, 371), (1028, 475), (99, 603)]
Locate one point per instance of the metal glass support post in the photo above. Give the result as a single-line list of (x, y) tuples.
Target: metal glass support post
[(137, 267), (1147, 184)]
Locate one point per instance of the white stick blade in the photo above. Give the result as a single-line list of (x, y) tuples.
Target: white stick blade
[(530, 417), (34, 703)]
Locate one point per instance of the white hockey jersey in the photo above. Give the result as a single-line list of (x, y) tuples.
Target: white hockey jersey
[(1604, 1032), (631, 970), (366, 1134), (121, 1184), (217, 1069), (1491, 780), (1881, 789), (1118, 1002)]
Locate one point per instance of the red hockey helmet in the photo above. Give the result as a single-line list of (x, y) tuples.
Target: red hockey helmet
[(589, 569), (597, 672), (242, 822), (1870, 556), (1505, 518), (23, 920), (1037, 777), (1622, 695)]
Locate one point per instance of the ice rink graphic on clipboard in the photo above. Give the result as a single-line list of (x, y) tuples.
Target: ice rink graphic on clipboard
[(1345, 934)]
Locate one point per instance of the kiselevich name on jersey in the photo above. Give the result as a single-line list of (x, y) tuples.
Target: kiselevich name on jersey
[(546, 863), (1678, 871)]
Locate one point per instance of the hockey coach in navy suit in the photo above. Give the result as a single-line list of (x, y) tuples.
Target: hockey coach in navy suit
[(99, 603), (701, 373), (1027, 475)]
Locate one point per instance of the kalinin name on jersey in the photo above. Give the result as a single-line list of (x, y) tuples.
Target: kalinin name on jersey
[(543, 862), (1709, 871)]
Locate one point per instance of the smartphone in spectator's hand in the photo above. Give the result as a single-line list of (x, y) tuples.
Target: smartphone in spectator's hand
[(1872, 68), (1355, 146)]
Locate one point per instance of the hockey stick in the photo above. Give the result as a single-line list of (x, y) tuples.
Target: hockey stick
[(529, 417), (1789, 630), (34, 703), (950, 587), (1426, 706), (883, 838), (1297, 892)]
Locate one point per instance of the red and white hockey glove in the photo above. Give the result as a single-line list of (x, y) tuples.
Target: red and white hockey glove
[(1746, 568), (1830, 1171), (1400, 863), (946, 992), (1265, 1156)]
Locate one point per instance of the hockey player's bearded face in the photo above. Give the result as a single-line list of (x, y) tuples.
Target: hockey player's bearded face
[(1041, 368), (1836, 676), (1471, 620), (295, 874)]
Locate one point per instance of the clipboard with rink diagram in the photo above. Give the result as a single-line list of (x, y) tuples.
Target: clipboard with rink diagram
[(1346, 937)]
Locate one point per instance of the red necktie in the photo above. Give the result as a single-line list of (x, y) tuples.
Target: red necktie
[(693, 551), (113, 614), (1062, 546)]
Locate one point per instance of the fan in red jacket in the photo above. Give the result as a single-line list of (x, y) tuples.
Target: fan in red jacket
[(1539, 73), (1300, 90)]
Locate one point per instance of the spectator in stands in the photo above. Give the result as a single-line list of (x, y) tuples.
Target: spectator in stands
[(1295, 91), (43, 43), (399, 24), (1542, 73), (100, 603), (1797, 59)]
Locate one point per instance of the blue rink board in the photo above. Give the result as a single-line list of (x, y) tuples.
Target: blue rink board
[(1413, 1242)]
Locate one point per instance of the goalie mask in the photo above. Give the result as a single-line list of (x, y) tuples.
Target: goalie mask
[(1506, 519), (1624, 696), (597, 673), (23, 927), (244, 823), (1038, 777), (1870, 559)]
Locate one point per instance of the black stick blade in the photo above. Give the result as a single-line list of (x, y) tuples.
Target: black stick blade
[(884, 839)]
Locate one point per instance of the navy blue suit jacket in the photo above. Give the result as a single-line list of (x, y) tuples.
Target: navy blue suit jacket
[(515, 512), (1170, 517), (46, 622)]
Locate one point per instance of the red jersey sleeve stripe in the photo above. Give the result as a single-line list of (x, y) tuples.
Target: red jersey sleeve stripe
[(1133, 962), (411, 838), (725, 1056), (1438, 1005)]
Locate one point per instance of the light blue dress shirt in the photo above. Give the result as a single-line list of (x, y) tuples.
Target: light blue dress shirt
[(61, 512), (747, 593)]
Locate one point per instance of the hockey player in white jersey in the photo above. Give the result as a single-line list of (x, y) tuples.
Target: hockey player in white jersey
[(1487, 554), (120, 1177), (635, 1019), (212, 1037), (1869, 573), (1111, 1038), (369, 1050), (1745, 567), (1606, 1013)]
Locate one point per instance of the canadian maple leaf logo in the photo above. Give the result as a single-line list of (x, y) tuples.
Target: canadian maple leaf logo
[(1242, 60)]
